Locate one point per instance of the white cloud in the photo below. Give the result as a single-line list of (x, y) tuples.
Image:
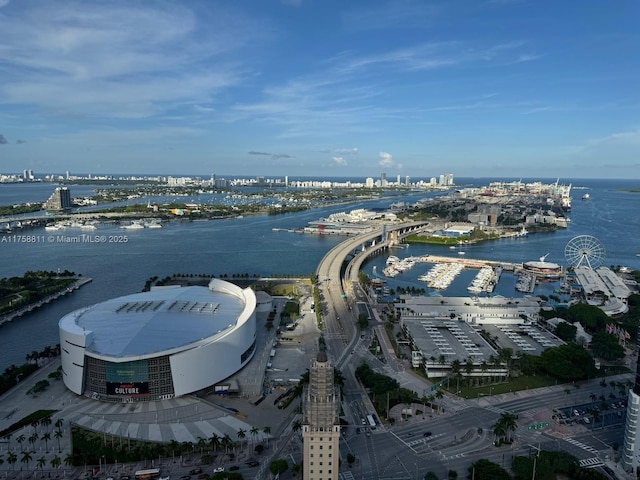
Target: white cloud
[(4, 3), (119, 60), (340, 161), (386, 159), (345, 151)]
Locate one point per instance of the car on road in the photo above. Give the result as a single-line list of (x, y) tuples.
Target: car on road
[(233, 468), (218, 469), (203, 476), (252, 463), (195, 471), (185, 477), (426, 434)]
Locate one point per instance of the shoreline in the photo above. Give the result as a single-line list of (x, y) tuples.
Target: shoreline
[(33, 306)]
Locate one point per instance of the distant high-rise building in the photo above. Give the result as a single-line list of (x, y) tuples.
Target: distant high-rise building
[(383, 179), (60, 199), (407, 180), (631, 448), (398, 180), (369, 182), (321, 425), (27, 175), (446, 180), (68, 174)]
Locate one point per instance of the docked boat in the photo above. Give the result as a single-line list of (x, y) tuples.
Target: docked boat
[(133, 226)]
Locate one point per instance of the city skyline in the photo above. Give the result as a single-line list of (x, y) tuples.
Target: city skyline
[(498, 88)]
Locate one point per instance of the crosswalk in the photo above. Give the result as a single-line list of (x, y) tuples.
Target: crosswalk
[(579, 444), (591, 462)]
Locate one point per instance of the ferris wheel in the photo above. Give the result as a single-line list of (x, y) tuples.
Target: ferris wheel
[(584, 250)]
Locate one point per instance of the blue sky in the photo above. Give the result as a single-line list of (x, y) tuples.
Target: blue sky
[(485, 88)]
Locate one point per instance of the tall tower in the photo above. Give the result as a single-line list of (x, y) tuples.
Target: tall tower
[(321, 426), (631, 448)]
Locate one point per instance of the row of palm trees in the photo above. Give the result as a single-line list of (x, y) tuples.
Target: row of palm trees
[(90, 446), (27, 456)]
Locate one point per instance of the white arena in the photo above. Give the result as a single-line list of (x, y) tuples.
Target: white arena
[(165, 343)]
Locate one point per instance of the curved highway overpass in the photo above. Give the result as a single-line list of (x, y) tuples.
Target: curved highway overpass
[(338, 275)]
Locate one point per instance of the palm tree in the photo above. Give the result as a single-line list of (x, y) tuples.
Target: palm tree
[(56, 462), (33, 439), (46, 421), (20, 439), (46, 437), (59, 423), (267, 432), (484, 367), (227, 442), (510, 424), (431, 399), (201, 444), (42, 462), (58, 435), (68, 459), (468, 368), (241, 434), (214, 441), (499, 431), (254, 433), (7, 437), (439, 396), (297, 425), (26, 457), (12, 459)]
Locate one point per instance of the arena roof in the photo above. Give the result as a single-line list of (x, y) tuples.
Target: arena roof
[(156, 321)]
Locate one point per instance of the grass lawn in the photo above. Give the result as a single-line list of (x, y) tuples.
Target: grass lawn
[(514, 385)]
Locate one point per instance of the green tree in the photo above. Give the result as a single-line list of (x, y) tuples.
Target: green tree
[(278, 466), (267, 431), (487, 470), (606, 347), (566, 331), (568, 362)]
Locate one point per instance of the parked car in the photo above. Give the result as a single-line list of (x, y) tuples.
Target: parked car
[(218, 469), (203, 476)]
